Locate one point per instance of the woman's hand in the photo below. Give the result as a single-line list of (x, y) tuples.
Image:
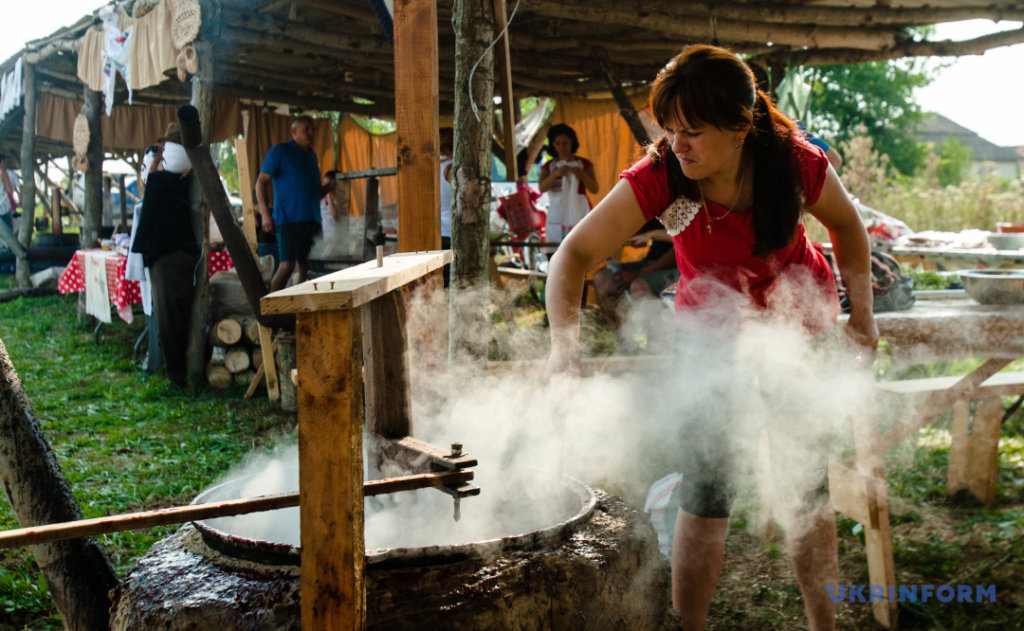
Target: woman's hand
[(862, 332)]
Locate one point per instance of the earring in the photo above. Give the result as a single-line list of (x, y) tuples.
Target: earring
[(738, 143)]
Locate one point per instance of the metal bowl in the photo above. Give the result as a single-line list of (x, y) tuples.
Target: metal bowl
[(1007, 240), (994, 286)]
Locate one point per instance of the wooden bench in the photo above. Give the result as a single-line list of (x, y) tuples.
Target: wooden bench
[(974, 450), (857, 486)]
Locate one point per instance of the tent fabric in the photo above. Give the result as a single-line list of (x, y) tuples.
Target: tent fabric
[(131, 128), (360, 150), (151, 51), (605, 138)]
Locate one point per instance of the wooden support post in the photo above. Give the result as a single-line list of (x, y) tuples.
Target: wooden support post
[(124, 203), (371, 217), (877, 533), (286, 351), (92, 214), (503, 72), (28, 167), (626, 109), (974, 452), (269, 363), (416, 120), (388, 409), (246, 185), (202, 100), (55, 211), (331, 470)]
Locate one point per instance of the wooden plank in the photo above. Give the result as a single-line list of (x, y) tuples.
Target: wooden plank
[(416, 122), (355, 286), (1005, 384), (591, 365), (503, 73), (385, 369), (35, 535), (850, 491), (246, 186), (963, 389), (983, 450), (330, 428), (269, 363), (959, 458)]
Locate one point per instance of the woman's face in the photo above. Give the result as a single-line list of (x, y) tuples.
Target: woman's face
[(563, 147), (704, 150)]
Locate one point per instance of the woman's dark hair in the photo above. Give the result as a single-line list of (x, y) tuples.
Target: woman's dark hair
[(711, 85), (561, 129)]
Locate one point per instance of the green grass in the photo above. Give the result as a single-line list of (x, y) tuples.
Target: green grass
[(124, 442)]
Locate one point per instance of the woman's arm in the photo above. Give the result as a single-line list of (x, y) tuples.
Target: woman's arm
[(598, 236), (588, 178), (853, 254), (548, 176)]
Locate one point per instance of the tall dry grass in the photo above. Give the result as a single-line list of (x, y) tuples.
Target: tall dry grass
[(980, 201)]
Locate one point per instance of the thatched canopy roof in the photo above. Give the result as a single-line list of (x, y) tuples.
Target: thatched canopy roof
[(335, 55)]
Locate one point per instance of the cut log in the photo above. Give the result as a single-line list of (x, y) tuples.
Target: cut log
[(226, 332), (257, 358), (245, 377), (251, 326), (237, 360), (218, 376), (217, 355)]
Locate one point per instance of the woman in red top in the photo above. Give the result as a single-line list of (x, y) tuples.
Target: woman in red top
[(730, 180)]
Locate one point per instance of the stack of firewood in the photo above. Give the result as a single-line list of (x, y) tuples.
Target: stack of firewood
[(235, 353)]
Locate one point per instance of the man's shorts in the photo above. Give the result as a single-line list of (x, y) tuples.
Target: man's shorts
[(294, 240), (658, 280)]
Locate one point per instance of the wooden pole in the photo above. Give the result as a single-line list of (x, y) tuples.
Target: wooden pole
[(626, 109), (202, 100), (180, 514), (28, 168), (246, 184), (503, 72), (124, 203), (416, 120), (331, 470), (55, 211), (92, 214)]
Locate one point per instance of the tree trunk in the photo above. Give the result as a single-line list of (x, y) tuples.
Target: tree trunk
[(28, 171), (468, 323), (92, 214), (202, 100), (77, 571)]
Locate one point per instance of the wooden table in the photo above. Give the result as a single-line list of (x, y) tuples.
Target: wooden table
[(932, 330), (95, 270)]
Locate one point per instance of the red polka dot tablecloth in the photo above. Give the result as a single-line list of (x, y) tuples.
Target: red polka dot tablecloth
[(123, 293)]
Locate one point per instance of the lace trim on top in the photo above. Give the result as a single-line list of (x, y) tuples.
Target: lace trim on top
[(679, 214)]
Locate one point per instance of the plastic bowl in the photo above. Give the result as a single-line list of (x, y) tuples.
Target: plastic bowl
[(994, 286)]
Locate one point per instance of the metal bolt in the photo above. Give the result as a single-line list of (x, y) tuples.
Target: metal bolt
[(456, 449)]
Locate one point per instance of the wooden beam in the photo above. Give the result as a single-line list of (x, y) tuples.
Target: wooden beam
[(416, 122), (503, 73), (330, 432), (93, 211), (28, 167), (686, 28), (626, 109)]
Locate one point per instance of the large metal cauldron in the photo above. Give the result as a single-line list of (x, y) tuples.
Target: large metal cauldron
[(585, 560)]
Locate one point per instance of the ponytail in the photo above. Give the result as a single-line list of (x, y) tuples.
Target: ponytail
[(777, 202)]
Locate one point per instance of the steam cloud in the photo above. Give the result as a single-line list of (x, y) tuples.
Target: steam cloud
[(621, 432)]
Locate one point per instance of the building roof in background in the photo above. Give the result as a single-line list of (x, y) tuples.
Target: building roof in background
[(935, 128)]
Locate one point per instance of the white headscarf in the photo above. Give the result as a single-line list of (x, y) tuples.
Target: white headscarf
[(175, 159)]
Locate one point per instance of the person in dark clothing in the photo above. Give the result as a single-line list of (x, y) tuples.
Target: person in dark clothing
[(170, 249)]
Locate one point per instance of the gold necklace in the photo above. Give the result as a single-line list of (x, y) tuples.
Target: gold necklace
[(704, 202)]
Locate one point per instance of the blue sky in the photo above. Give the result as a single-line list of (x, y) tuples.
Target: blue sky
[(982, 92)]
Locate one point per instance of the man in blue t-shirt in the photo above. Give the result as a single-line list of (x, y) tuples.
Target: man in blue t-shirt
[(293, 169)]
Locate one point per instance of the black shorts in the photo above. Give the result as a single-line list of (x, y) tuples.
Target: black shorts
[(724, 417), (294, 240)]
